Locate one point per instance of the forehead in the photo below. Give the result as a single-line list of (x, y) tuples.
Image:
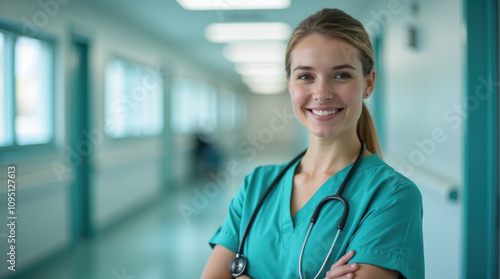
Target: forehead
[(316, 51)]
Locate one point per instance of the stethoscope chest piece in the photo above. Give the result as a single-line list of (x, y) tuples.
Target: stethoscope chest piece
[(238, 265)]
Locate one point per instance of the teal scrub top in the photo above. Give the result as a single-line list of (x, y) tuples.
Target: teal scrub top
[(384, 226)]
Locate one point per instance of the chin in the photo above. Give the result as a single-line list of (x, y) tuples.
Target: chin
[(324, 134)]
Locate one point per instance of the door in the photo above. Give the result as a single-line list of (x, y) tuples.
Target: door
[(480, 191), (80, 147)]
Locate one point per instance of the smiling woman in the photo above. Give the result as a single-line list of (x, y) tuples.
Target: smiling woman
[(375, 231)]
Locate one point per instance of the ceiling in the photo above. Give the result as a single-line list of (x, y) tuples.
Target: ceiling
[(183, 30)]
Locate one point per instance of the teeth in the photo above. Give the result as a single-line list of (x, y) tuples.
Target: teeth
[(324, 112)]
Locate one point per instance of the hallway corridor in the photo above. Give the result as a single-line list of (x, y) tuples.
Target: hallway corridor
[(154, 243)]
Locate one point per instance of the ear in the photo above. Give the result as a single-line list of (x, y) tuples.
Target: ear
[(369, 84), (288, 82)]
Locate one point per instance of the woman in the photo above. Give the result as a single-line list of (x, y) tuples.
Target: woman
[(329, 65)]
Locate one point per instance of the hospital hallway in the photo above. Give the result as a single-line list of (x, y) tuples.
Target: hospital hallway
[(156, 241), (142, 246), (127, 128)]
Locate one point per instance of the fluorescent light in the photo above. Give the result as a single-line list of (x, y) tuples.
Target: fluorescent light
[(252, 69), (267, 87), (238, 32), (264, 79), (255, 52), (233, 5), (269, 92)]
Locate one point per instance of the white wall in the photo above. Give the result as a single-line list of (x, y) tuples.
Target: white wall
[(42, 225), (422, 87), (274, 113), (273, 134)]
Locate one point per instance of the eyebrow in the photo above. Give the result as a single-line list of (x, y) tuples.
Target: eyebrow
[(343, 66)]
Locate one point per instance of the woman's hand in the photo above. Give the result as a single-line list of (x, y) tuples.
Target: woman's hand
[(341, 269), (243, 277)]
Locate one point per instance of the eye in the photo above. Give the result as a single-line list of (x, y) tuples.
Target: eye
[(304, 77), (343, 76)]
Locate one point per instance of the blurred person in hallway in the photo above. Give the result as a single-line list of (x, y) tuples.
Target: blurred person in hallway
[(206, 156)]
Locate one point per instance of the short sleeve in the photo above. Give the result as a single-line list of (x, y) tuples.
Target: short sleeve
[(228, 234), (390, 234)]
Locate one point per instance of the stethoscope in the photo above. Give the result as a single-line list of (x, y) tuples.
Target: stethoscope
[(239, 263)]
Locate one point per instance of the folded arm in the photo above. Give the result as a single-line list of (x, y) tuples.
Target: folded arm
[(217, 266), (367, 271)]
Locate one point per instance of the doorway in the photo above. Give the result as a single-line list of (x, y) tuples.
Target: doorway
[(80, 147)]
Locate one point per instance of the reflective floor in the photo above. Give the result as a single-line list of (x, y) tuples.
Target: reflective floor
[(158, 241)]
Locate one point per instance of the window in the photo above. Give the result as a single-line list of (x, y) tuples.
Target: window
[(134, 100), (33, 91), (26, 90), (207, 118), (234, 113), (182, 117), (194, 107)]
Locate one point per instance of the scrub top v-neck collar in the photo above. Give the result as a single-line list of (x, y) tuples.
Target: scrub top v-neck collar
[(328, 188)]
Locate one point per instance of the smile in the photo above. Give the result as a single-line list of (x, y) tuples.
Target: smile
[(325, 114)]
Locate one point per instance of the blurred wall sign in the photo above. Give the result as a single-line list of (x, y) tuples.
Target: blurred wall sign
[(412, 36), (412, 30)]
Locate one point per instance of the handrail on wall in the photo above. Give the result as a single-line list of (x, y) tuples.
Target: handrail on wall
[(425, 178)]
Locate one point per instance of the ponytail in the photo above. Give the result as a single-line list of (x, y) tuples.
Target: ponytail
[(367, 133)]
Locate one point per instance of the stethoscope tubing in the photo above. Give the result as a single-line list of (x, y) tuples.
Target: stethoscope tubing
[(327, 256)]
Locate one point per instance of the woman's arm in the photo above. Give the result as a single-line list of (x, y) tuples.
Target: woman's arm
[(217, 266), (365, 271), (368, 271)]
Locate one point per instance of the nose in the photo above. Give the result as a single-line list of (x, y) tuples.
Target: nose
[(322, 92)]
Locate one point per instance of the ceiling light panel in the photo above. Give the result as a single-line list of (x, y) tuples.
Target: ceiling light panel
[(270, 92), (253, 69), (255, 52), (267, 92), (233, 4), (240, 32), (264, 79), (267, 87)]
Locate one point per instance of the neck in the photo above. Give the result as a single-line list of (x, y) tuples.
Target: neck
[(330, 155)]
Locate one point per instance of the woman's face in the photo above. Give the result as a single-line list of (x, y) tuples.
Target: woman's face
[(327, 85)]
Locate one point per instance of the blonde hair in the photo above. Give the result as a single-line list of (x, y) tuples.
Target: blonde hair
[(334, 23)]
